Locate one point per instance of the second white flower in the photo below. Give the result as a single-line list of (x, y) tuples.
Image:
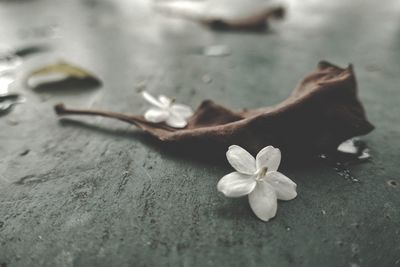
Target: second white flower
[(166, 110)]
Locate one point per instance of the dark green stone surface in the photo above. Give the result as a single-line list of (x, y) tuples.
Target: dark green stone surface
[(95, 192)]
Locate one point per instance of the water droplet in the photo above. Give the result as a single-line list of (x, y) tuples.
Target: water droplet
[(348, 146), (342, 171), (323, 156), (355, 249), (217, 51), (392, 183), (206, 78), (25, 152), (364, 154)]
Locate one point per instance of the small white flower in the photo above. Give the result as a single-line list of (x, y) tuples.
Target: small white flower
[(166, 110), (257, 178)]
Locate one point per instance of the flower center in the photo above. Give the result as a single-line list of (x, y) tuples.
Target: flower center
[(167, 106), (261, 173), (173, 100)]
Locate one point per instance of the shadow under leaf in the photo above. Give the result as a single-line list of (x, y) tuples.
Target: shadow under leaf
[(69, 85), (178, 151)]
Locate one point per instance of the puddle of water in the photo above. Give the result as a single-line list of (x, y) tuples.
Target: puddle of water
[(352, 151), (355, 147)]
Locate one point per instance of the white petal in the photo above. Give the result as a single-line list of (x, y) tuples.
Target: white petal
[(182, 110), (166, 101), (263, 201), (285, 188), (152, 100), (176, 121), (241, 160), (269, 157), (236, 184), (156, 115)]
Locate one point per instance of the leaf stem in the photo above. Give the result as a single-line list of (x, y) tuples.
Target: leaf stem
[(61, 110)]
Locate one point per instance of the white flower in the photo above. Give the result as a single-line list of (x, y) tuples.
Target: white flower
[(166, 110), (257, 178)]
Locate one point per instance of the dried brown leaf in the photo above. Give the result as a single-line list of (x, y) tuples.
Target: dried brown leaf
[(322, 112)]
